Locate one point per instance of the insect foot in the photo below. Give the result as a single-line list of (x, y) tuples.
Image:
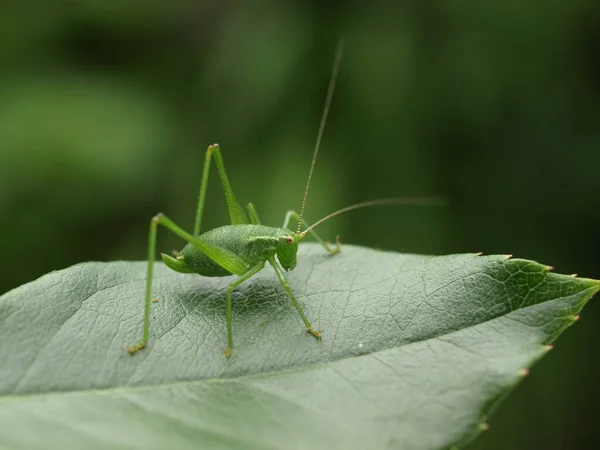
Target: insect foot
[(338, 246), (135, 348), (315, 333)]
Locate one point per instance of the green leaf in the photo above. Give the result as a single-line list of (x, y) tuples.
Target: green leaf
[(416, 351)]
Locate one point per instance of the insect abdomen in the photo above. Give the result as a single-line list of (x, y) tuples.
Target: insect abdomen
[(253, 243)]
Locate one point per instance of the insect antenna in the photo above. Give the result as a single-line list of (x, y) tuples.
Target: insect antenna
[(334, 72), (419, 201)]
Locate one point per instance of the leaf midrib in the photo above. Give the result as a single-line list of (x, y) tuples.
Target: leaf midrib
[(148, 387)]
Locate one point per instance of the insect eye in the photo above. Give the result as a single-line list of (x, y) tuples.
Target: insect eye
[(289, 239)]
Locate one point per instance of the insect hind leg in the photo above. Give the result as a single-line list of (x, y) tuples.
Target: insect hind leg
[(252, 214), (226, 259), (236, 212)]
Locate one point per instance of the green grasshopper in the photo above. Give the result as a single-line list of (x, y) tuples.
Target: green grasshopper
[(244, 247)]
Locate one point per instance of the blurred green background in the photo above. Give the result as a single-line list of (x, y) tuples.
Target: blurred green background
[(106, 109)]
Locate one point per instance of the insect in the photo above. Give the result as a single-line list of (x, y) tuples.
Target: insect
[(244, 247)]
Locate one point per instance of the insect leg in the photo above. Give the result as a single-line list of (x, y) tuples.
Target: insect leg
[(230, 289), (148, 299), (286, 286), (202, 194), (253, 215), (294, 215), (226, 259), (236, 212)]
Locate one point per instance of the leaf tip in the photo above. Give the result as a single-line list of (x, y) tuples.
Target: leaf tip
[(524, 372), (573, 275), (549, 347), (549, 267)]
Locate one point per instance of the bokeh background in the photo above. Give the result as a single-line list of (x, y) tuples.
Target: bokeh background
[(106, 109)]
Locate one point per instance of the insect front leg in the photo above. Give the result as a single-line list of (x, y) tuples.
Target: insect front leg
[(326, 245), (286, 286)]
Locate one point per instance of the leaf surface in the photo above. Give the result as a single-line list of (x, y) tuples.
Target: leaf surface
[(416, 351)]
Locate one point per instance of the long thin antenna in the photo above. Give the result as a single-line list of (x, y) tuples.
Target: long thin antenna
[(421, 201), (334, 72)]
